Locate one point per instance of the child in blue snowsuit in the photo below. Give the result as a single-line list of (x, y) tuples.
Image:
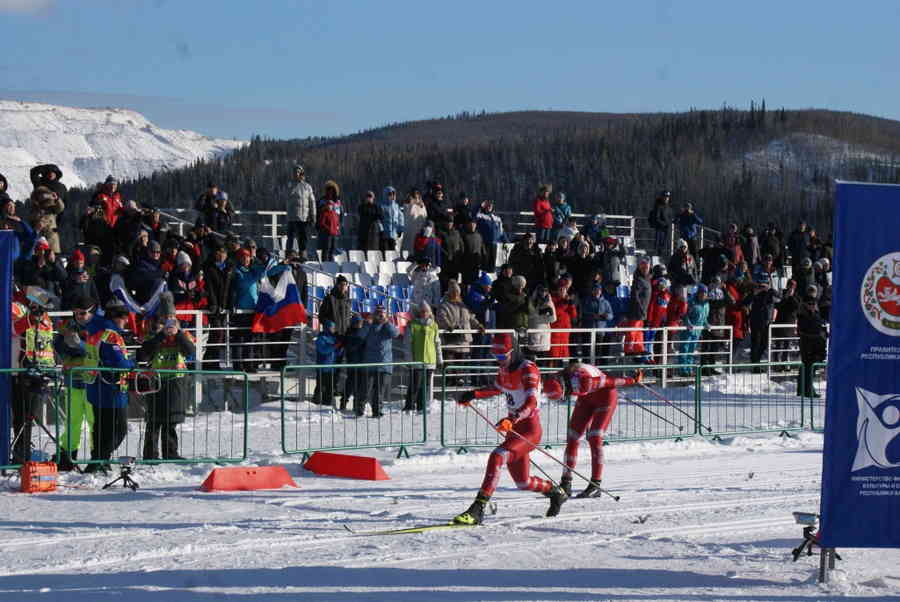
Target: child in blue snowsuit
[(695, 320), (328, 350)]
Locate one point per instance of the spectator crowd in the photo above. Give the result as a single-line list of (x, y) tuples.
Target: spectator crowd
[(130, 281)]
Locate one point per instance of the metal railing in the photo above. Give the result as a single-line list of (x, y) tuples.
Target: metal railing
[(354, 406)]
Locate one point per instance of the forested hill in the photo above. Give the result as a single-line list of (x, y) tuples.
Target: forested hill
[(735, 165)]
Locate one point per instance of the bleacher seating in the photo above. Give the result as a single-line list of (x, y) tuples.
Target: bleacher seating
[(350, 267), (374, 256), (391, 256), (403, 266), (386, 267), (330, 266), (357, 256), (341, 257)]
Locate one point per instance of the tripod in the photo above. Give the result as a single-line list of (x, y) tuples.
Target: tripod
[(125, 477), (810, 539), (30, 421)]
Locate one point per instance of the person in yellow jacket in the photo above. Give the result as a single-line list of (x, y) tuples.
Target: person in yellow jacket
[(36, 356), (70, 345), (167, 347)]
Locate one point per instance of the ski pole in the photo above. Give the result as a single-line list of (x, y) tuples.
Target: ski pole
[(660, 397), (543, 451), (649, 411)]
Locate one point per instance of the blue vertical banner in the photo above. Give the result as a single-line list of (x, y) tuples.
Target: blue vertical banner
[(861, 463), (8, 243)]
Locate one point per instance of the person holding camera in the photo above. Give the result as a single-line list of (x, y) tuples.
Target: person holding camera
[(107, 390), (38, 359), (541, 313), (167, 347), (49, 176)]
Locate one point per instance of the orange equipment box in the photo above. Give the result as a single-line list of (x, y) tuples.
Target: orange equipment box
[(37, 477)]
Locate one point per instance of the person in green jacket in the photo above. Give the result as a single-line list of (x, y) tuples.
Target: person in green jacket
[(426, 348)]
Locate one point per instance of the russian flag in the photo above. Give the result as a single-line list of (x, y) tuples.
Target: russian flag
[(278, 307)]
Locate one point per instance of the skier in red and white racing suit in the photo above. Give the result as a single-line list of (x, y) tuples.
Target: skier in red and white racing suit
[(520, 380), (597, 401)]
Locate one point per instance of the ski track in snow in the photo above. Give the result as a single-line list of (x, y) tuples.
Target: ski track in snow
[(696, 521)]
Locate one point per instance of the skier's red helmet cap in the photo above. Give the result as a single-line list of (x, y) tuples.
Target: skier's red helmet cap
[(502, 346)]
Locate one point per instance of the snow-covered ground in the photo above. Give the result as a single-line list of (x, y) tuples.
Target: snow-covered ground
[(697, 520), (89, 144)]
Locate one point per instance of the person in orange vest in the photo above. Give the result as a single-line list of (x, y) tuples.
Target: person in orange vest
[(107, 390), (167, 347), (37, 358)]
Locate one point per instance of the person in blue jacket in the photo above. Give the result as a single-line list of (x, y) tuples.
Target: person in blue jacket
[(328, 350), (613, 342), (107, 391), (393, 222), (379, 337), (490, 226), (689, 225), (243, 293)]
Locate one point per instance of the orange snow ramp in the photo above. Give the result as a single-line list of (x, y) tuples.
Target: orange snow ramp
[(343, 465), (247, 478)]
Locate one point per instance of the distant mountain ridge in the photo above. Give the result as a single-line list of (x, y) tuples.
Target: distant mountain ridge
[(89, 144)]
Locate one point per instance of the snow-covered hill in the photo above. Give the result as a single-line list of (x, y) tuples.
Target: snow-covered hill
[(89, 144)]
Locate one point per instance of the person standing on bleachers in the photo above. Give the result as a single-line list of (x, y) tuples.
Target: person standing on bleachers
[(473, 254), (562, 212), (452, 247), (369, 226), (490, 226), (217, 272), (328, 223), (301, 209), (415, 215), (393, 222), (689, 227), (660, 219), (543, 214), (426, 286)]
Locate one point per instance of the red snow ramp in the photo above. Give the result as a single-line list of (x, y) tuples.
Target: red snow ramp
[(343, 465), (247, 478)]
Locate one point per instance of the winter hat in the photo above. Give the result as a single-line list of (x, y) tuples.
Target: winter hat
[(484, 280), (327, 326), (183, 259), (122, 260), (154, 245), (701, 288), (561, 196), (340, 279), (249, 242), (41, 244), (806, 263), (356, 321), (681, 243), (221, 196), (115, 309), (166, 304), (298, 167), (519, 282), (244, 253), (77, 256), (553, 390), (389, 190), (111, 180), (663, 284), (454, 290)]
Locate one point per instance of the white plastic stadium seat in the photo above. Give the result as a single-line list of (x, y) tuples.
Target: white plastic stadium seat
[(341, 257), (370, 267), (402, 266), (383, 279), (346, 275), (386, 267), (362, 279), (374, 256), (391, 255), (326, 280), (357, 256)]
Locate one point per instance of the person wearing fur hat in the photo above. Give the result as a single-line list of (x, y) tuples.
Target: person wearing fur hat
[(49, 176), (542, 313), (415, 215), (426, 348), (166, 347), (44, 206)]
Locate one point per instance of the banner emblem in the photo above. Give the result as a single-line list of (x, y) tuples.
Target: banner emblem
[(880, 294), (877, 426)]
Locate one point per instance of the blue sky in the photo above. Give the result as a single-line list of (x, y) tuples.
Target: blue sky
[(294, 69)]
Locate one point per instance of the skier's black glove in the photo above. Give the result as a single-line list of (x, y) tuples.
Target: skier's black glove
[(466, 398)]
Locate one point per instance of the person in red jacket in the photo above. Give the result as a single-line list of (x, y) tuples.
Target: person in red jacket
[(543, 214), (597, 401), (111, 200), (657, 313), (566, 316), (520, 380), (674, 315)]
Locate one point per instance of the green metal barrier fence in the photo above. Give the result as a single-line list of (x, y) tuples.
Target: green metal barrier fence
[(654, 411), (172, 416), (817, 398), (313, 417), (35, 409), (749, 400)]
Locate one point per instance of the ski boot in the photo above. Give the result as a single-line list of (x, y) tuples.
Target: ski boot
[(557, 498), (566, 484), (66, 463), (475, 514), (592, 490)]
